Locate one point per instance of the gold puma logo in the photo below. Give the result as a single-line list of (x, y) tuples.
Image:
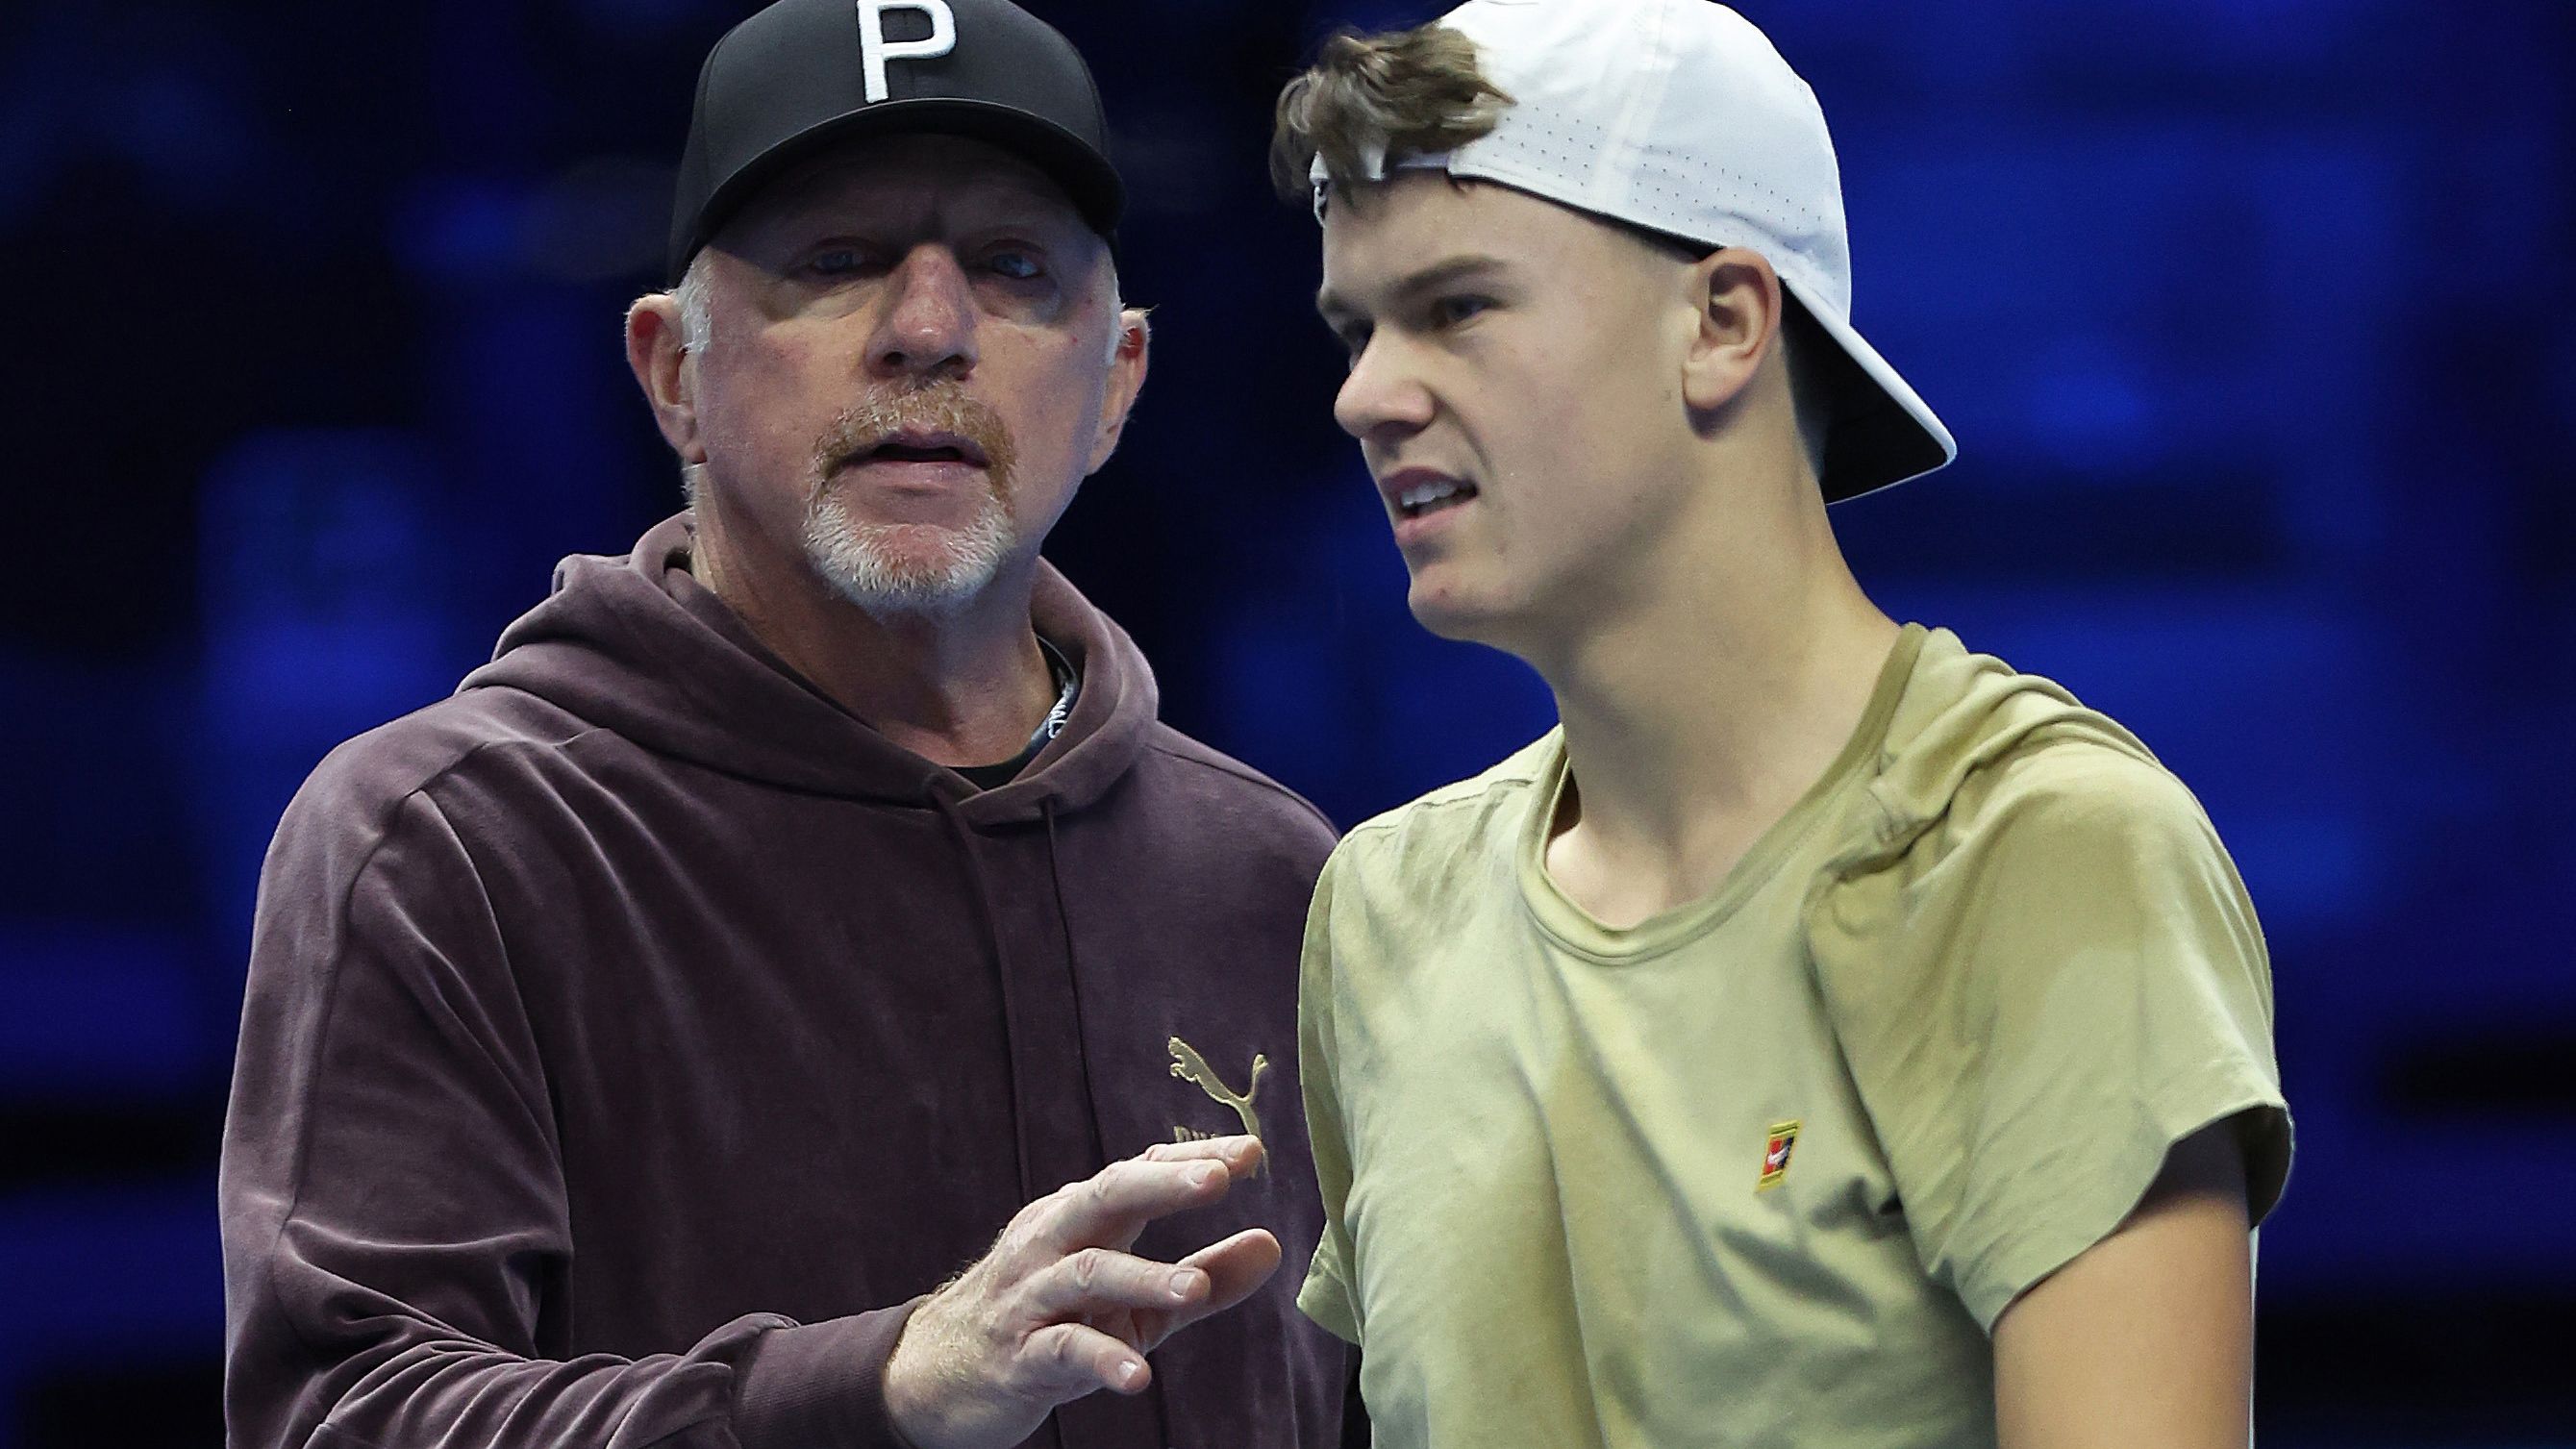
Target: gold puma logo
[(1189, 1066)]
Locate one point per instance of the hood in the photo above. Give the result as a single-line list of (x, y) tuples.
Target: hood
[(636, 645)]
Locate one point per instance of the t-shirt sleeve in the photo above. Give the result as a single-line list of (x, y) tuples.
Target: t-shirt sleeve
[(1326, 1296), (2038, 996)]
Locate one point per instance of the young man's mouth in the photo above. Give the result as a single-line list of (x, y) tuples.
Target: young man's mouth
[(1420, 492)]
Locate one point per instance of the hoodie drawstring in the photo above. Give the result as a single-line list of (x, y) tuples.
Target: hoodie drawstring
[(1073, 973), (1082, 1057), (1001, 979)]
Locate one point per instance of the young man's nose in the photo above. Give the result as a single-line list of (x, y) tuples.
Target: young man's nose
[(1382, 394)]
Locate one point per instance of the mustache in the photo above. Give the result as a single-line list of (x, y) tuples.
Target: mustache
[(937, 407)]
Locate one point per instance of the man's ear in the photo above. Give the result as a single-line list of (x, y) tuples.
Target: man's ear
[(1737, 297), (1126, 379), (657, 353)]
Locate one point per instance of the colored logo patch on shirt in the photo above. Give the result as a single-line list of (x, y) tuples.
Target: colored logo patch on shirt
[(1775, 1155)]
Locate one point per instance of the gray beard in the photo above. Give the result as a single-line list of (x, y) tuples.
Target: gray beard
[(912, 569)]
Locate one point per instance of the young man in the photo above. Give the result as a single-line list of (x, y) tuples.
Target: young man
[(809, 902), (1827, 1035)]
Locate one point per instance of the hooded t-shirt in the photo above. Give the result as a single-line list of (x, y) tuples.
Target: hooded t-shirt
[(634, 1035)]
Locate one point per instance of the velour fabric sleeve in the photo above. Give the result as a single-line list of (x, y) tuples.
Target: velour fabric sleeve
[(1326, 1296), (2039, 991), (392, 1206)]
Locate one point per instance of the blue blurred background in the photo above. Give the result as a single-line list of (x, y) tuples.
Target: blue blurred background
[(2252, 316)]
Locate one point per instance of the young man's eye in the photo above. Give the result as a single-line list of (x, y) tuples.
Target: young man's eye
[(1450, 311), (1354, 340)]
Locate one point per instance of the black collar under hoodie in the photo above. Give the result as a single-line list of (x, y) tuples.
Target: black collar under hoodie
[(633, 1035)]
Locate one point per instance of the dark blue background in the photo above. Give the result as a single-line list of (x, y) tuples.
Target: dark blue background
[(2252, 317)]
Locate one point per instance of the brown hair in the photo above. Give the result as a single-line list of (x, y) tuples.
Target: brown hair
[(1408, 93)]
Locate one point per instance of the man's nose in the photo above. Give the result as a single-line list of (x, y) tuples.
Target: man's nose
[(928, 327), (1384, 395)]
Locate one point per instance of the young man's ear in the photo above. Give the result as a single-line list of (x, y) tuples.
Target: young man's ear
[(1127, 362), (657, 353), (1739, 303)]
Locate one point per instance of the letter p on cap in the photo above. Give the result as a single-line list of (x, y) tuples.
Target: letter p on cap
[(874, 51)]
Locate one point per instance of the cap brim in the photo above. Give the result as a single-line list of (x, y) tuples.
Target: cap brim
[(1882, 432), (1086, 176)]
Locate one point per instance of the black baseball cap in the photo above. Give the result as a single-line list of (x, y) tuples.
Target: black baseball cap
[(804, 75)]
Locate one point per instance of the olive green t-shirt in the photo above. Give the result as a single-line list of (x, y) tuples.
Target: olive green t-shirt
[(1764, 1169)]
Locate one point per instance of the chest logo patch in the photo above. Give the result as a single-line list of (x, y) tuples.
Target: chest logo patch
[(1189, 1066), (1775, 1155)]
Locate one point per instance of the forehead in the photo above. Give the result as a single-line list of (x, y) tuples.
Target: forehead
[(1378, 231), (910, 177)]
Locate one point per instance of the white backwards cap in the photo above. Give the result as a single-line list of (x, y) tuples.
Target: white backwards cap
[(1680, 117)]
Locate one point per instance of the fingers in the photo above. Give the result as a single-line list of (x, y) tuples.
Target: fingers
[(1237, 1265), (1114, 1204), (1240, 1153), (1059, 1308), (1235, 1268), (1097, 1280), (1068, 1360)]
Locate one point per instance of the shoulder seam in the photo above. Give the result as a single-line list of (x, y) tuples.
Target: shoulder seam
[(1392, 819)]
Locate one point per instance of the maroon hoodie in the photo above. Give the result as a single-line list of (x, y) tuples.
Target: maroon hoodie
[(634, 1034)]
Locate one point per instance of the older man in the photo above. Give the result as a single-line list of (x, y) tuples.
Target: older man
[(637, 1040)]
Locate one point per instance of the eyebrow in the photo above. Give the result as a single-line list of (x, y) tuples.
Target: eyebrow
[(1332, 305)]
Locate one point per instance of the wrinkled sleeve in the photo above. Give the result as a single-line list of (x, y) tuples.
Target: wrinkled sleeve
[(2038, 996), (1326, 1296), (394, 1216)]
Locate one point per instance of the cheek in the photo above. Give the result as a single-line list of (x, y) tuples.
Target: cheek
[(1052, 395), (1624, 406), (1549, 426), (1586, 449), (767, 401), (753, 381)]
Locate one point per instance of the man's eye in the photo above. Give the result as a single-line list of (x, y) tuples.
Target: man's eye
[(1450, 311), (837, 262), (1355, 340), (1017, 266)]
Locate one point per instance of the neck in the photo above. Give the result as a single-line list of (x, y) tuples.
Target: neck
[(956, 688), (1720, 686)]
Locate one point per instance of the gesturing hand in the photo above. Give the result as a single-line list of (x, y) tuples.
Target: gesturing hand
[(1059, 1307)]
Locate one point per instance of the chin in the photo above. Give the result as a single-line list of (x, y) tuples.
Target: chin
[(916, 569), (1455, 614)]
